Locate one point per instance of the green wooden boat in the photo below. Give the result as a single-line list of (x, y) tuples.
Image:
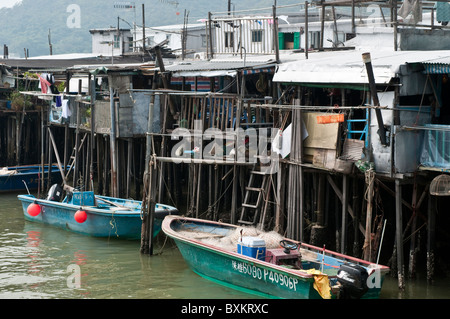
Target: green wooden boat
[(268, 265)]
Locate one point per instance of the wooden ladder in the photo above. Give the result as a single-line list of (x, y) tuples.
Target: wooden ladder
[(256, 206)]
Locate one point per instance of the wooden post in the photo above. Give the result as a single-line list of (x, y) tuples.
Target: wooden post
[(412, 247), (77, 142), (370, 177), (93, 95), (129, 159), (42, 151), (306, 29), (148, 202), (394, 4), (322, 23), (431, 236), (148, 206), (100, 167), (356, 210), (344, 213), (113, 143), (143, 29), (275, 33), (211, 41), (373, 91), (166, 84), (50, 161), (353, 17), (399, 233)]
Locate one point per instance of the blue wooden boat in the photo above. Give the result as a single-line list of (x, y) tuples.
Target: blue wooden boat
[(266, 264), (93, 215), (14, 178)]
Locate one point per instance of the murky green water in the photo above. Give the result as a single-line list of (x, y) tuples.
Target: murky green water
[(38, 261)]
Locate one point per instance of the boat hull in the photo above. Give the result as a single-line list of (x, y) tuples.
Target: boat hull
[(28, 175), (124, 224), (244, 273)]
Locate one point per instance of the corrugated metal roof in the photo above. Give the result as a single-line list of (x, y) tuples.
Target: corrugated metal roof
[(347, 66), (205, 65), (213, 67)]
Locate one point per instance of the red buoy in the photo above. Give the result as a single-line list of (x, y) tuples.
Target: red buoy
[(33, 209), (80, 216)]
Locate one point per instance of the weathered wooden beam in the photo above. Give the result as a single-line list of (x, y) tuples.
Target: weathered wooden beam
[(339, 195)]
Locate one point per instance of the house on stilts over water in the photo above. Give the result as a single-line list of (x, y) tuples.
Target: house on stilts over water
[(326, 121)]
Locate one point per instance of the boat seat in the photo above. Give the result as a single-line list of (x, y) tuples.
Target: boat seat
[(277, 255)]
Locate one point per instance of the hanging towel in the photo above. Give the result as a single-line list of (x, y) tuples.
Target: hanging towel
[(413, 7), (58, 101), (66, 113), (44, 84)]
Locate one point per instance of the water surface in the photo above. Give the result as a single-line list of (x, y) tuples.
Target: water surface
[(38, 261)]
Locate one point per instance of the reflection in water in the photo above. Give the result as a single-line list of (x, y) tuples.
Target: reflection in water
[(36, 261), (33, 241)]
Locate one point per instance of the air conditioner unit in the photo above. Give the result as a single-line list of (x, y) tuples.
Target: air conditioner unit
[(199, 56)]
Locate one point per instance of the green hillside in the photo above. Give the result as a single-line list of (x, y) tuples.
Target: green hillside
[(27, 25)]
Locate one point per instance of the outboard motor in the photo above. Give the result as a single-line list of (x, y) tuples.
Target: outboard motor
[(55, 193), (353, 279)]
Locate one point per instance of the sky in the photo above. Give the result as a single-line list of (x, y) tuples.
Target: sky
[(8, 3)]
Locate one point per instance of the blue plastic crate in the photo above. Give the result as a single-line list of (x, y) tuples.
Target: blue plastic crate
[(83, 198)]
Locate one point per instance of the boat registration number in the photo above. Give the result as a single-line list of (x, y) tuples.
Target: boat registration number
[(266, 275)]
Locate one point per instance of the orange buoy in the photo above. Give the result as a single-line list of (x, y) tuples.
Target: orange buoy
[(80, 216), (33, 209)]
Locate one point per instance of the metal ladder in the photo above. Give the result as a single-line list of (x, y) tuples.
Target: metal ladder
[(255, 206)]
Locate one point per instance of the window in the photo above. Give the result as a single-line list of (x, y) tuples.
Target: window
[(116, 42), (257, 35), (314, 40), (130, 44), (229, 40), (151, 40), (204, 41)]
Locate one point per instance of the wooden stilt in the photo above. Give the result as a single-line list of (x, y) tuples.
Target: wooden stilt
[(344, 213), (100, 167), (356, 210), (412, 248), (149, 179), (431, 237), (148, 207), (113, 144), (129, 164), (398, 233), (370, 178)]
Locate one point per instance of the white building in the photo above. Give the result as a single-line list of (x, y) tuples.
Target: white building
[(195, 38), (111, 41)]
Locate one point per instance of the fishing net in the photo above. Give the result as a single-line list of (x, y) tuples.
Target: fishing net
[(230, 240)]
